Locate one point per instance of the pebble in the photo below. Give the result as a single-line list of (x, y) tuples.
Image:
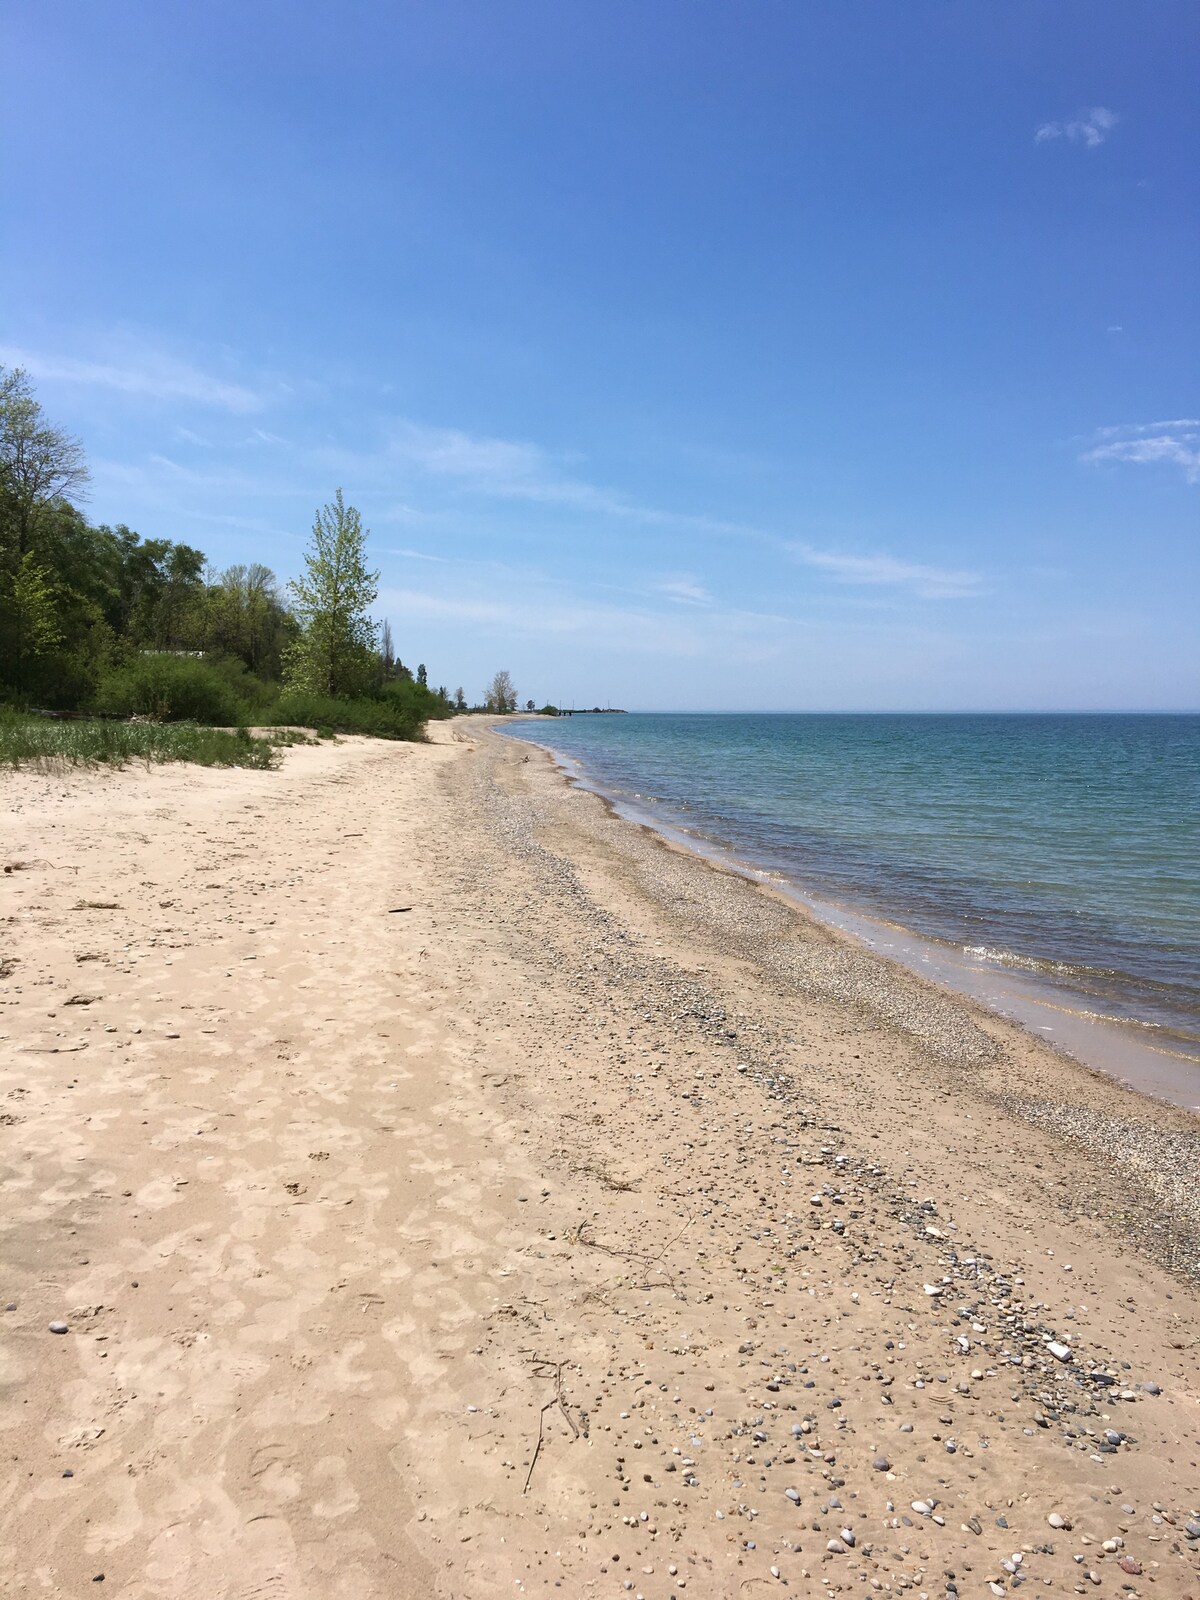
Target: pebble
[(58, 1327), (882, 1464), (793, 1495), (1056, 1520), (1060, 1352)]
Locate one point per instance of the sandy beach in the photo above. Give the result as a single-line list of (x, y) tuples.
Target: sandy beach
[(448, 1189)]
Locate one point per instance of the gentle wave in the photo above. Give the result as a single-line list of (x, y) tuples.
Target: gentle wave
[(1064, 848)]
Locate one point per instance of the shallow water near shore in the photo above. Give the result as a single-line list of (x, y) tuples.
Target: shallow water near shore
[(1045, 864)]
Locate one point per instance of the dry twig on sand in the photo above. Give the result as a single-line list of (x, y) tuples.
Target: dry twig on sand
[(542, 1369)]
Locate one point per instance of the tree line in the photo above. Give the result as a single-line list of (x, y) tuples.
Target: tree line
[(96, 618)]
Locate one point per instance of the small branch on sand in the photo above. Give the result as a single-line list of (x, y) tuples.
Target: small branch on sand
[(648, 1262), (542, 1369)]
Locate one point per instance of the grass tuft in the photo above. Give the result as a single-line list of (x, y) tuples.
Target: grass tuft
[(38, 741)]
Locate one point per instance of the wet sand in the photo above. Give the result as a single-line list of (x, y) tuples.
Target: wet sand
[(449, 1189)]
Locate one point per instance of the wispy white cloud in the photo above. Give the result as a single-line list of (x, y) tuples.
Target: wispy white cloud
[(147, 372), (1175, 444), (885, 571), (685, 591), (408, 554), (502, 469), (1126, 430), (546, 610), (506, 468), (1090, 127)]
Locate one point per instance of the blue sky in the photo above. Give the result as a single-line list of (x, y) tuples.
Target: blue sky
[(682, 355)]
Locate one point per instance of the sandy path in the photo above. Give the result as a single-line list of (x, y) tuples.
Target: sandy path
[(335, 1198)]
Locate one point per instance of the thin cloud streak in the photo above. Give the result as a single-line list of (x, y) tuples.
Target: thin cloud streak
[(509, 469), (157, 376), (1089, 128), (686, 591), (644, 630), (885, 571), (1144, 444)]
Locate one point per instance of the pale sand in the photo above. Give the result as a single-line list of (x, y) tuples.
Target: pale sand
[(343, 1203)]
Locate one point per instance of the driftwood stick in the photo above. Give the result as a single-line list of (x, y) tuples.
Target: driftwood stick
[(541, 1370)]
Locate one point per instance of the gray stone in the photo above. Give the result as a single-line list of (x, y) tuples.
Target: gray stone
[(58, 1327)]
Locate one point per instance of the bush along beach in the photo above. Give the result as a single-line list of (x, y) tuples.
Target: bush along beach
[(37, 741), (98, 622)]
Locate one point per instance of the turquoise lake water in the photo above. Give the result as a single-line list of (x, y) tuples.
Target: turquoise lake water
[(1066, 848)]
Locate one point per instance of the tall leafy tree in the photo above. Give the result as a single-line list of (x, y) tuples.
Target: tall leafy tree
[(39, 466), (335, 653), (501, 695), (246, 617)]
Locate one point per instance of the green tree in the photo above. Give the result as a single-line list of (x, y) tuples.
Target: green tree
[(460, 700), (246, 618), (39, 466), (387, 653), (335, 653), (422, 676), (501, 695), (30, 629)]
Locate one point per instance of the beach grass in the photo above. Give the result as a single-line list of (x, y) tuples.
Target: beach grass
[(44, 742)]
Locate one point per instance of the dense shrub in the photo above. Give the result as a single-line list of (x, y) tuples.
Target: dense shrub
[(252, 693), (384, 718), (417, 698), (170, 688)]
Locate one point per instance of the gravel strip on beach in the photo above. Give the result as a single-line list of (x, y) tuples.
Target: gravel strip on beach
[(1151, 1192)]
